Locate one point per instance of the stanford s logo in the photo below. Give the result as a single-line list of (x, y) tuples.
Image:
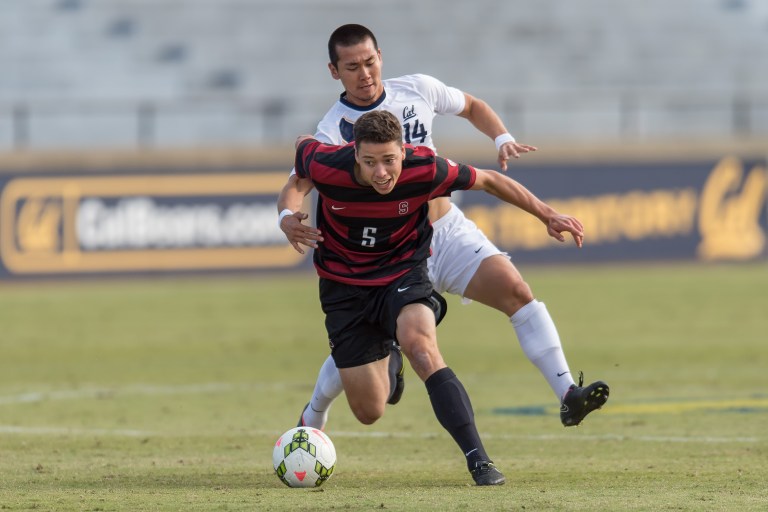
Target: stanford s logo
[(402, 208)]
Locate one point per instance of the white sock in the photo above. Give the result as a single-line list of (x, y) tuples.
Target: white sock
[(327, 388), (540, 342)]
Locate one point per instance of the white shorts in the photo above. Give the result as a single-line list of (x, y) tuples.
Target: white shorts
[(458, 248)]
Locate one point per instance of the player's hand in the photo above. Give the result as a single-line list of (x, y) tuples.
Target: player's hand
[(565, 223), (512, 150), (300, 139), (298, 233)]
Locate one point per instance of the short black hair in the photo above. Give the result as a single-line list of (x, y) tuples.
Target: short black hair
[(379, 127), (348, 35)]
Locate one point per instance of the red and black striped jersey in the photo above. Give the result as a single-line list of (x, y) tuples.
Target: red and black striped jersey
[(372, 239)]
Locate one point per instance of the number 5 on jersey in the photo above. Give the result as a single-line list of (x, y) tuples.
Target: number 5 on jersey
[(369, 237)]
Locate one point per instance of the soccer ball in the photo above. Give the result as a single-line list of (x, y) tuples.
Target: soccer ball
[(304, 457)]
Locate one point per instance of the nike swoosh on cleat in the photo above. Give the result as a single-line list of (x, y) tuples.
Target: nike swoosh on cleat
[(338, 207)]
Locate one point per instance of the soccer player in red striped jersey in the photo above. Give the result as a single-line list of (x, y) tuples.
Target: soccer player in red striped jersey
[(370, 241), (374, 284)]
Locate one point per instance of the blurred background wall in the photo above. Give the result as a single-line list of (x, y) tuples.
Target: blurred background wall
[(85, 74), (145, 136)]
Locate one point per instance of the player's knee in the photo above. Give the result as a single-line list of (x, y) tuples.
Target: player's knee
[(521, 294), (368, 414), (369, 406), (511, 297), (513, 286), (424, 359)]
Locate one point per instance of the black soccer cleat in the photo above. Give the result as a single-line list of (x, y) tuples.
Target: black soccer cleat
[(485, 473), (580, 401), (400, 380), (301, 417)]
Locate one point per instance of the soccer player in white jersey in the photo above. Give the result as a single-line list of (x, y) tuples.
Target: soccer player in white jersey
[(463, 262)]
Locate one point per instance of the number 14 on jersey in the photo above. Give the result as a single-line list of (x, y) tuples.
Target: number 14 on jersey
[(419, 132)]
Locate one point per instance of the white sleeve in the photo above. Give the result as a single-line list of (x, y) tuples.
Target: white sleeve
[(327, 132), (328, 129), (446, 100)]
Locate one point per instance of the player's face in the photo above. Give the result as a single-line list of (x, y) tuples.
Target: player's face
[(379, 165), (359, 69)]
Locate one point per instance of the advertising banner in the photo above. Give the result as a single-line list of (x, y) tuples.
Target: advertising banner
[(709, 211), (117, 223)]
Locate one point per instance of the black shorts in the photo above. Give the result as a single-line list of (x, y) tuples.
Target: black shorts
[(362, 320)]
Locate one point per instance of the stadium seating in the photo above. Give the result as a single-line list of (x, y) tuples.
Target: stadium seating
[(106, 73)]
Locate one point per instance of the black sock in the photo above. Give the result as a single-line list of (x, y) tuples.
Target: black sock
[(454, 412)]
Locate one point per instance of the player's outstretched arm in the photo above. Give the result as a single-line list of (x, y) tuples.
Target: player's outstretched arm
[(512, 192), (485, 119), (290, 201)]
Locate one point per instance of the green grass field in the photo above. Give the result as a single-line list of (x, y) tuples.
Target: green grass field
[(168, 394)]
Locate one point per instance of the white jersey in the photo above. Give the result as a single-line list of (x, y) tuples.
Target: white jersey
[(413, 99), (458, 246)]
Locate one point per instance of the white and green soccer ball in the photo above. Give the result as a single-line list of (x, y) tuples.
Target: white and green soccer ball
[(304, 457)]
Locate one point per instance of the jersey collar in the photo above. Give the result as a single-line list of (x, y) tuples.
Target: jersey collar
[(372, 106)]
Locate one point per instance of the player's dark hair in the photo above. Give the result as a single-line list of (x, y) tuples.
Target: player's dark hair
[(348, 35), (379, 127)]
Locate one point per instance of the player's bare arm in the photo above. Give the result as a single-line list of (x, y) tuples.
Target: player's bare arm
[(291, 198), (485, 119), (512, 192)]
